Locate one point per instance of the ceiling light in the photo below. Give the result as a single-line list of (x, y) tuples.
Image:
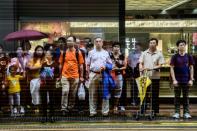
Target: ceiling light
[(194, 11), (164, 11)]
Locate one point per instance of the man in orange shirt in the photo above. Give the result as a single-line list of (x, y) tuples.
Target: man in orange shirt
[(72, 72)]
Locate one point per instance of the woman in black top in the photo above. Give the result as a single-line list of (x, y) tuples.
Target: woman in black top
[(49, 74), (118, 60)]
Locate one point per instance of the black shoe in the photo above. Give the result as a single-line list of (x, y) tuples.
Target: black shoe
[(52, 120), (65, 111), (156, 114), (43, 120), (134, 104)]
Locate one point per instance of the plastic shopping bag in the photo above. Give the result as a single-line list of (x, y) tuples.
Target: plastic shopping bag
[(58, 84), (81, 92)]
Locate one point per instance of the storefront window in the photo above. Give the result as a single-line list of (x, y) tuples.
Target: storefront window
[(107, 30), (166, 31)]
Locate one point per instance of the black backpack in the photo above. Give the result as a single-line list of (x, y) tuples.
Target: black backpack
[(77, 57), (76, 54)]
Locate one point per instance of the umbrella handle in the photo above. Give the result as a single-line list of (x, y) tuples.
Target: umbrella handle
[(144, 73)]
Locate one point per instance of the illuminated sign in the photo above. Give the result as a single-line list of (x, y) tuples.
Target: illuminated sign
[(162, 23)]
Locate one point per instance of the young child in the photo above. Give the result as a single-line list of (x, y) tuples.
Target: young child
[(13, 84)]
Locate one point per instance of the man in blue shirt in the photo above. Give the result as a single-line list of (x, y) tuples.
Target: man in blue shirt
[(182, 72)]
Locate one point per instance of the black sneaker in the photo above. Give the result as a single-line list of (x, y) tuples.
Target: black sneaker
[(52, 120), (65, 111), (43, 119)]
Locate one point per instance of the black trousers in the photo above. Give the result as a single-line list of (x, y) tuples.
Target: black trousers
[(4, 101), (25, 93), (134, 91), (184, 88), (132, 74), (155, 95), (49, 87)]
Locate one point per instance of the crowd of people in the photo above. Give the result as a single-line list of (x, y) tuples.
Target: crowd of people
[(31, 78)]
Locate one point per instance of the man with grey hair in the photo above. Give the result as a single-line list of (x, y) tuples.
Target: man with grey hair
[(96, 63)]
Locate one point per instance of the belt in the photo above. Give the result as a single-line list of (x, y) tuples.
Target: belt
[(96, 72)]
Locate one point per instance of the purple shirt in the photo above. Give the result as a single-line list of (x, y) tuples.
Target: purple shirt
[(182, 67)]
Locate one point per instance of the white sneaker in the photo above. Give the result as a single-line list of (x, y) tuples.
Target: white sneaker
[(22, 111), (187, 116), (176, 116), (12, 114), (15, 111), (93, 114), (105, 114), (122, 108)]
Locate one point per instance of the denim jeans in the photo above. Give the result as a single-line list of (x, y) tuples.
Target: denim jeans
[(14, 99)]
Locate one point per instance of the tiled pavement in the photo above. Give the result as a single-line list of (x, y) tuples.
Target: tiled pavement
[(121, 122), (129, 115)]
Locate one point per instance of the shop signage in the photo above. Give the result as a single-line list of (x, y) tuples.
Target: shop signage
[(162, 23)]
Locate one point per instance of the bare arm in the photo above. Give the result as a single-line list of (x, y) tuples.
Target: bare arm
[(172, 73), (125, 64), (157, 66), (81, 71), (88, 71), (175, 83), (192, 72), (190, 83), (61, 63), (60, 67), (24, 74), (5, 83), (141, 67), (32, 67)]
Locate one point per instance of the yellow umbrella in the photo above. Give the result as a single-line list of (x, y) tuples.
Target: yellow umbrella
[(142, 83)]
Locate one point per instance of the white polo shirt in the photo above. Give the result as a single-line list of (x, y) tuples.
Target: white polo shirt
[(150, 60)]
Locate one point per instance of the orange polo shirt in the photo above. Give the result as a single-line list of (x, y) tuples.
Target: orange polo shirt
[(71, 67)]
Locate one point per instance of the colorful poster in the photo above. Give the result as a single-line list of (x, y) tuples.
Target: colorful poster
[(195, 39)]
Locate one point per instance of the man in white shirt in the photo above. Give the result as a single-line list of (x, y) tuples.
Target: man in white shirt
[(96, 62), (151, 60)]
